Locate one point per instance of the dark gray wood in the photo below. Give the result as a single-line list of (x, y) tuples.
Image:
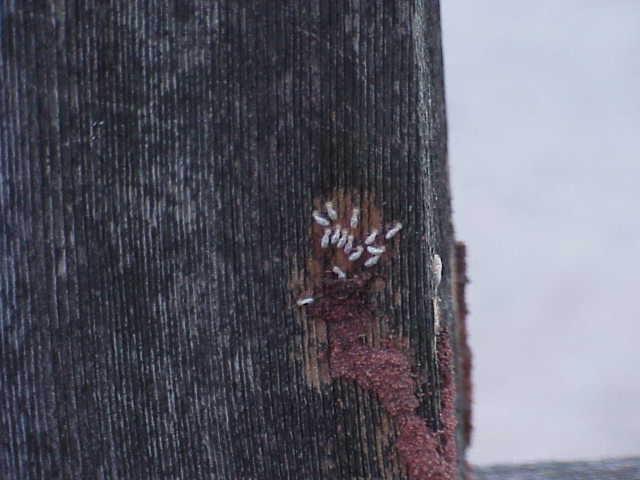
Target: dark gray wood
[(613, 469), (159, 163)]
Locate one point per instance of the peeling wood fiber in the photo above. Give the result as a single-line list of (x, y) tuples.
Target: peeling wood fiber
[(158, 161)]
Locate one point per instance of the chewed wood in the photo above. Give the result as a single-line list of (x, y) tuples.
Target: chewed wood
[(342, 301)]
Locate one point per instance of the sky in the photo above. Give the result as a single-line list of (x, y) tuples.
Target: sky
[(543, 101)]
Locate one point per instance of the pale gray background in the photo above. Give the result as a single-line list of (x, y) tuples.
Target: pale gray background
[(544, 119)]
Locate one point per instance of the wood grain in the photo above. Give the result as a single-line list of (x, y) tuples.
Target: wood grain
[(159, 164)]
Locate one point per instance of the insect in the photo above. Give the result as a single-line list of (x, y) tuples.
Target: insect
[(343, 239), (393, 231), (338, 271), (331, 211), (320, 220), (354, 217), (375, 250), (346, 239), (357, 254), (349, 246), (336, 235), (371, 261), (371, 238), (324, 242)]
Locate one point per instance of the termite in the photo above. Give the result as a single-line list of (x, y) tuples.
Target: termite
[(324, 242), (357, 254), (354, 217), (372, 261), (371, 238), (343, 239), (339, 272), (376, 250), (331, 211), (392, 233), (320, 220), (305, 301), (349, 246)]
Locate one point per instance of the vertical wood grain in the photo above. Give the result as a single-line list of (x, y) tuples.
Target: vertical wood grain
[(159, 163)]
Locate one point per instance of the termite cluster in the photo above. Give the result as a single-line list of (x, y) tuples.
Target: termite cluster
[(367, 248)]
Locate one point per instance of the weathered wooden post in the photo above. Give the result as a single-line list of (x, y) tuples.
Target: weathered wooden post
[(170, 307)]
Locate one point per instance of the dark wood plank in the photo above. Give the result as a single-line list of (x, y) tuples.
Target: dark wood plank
[(612, 469), (160, 162)]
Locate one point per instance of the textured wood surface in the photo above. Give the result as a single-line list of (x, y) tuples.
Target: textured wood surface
[(616, 469), (159, 163)]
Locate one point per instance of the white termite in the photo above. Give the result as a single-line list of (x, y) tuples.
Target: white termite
[(343, 239), (373, 250), (371, 238), (336, 235), (319, 219), (372, 261), (324, 242), (393, 231), (339, 272), (349, 246), (331, 211), (357, 254), (305, 301), (354, 217)]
